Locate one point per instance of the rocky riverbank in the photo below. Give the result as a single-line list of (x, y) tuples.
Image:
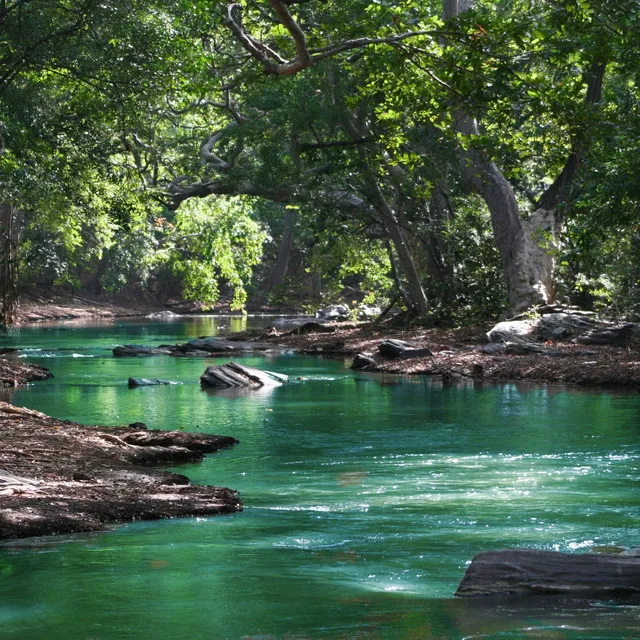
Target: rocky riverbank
[(61, 477), (468, 353)]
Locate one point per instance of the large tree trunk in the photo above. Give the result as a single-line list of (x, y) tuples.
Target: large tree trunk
[(527, 247), (396, 234), (9, 241)]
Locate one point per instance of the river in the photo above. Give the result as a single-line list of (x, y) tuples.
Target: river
[(365, 499)]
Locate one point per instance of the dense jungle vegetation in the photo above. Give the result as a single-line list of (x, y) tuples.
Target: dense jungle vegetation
[(462, 157)]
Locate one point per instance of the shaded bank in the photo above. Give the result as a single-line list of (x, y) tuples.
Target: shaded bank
[(61, 477), (462, 353)]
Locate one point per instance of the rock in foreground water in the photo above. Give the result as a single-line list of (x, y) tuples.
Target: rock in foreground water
[(235, 375), (528, 571)]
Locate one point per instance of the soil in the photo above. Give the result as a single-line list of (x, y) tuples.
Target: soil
[(61, 477), (458, 355)]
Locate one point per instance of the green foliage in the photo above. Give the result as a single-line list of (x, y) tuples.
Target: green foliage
[(214, 243)]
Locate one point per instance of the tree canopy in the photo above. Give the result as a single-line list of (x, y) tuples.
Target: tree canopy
[(466, 157)]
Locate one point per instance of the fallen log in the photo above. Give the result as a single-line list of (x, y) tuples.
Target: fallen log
[(528, 571)]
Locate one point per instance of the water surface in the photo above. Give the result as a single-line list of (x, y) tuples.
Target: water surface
[(365, 498)]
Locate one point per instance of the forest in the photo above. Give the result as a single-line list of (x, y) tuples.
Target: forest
[(462, 159)]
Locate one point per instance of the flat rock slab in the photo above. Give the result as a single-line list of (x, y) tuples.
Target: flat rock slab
[(528, 571), (148, 382), (393, 348), (232, 375), (133, 350), (220, 345)]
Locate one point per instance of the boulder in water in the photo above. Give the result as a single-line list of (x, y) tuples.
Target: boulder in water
[(148, 382), (232, 374), (139, 350), (527, 571), (220, 345)]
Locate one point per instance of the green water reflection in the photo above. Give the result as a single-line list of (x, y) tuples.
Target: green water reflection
[(365, 498)]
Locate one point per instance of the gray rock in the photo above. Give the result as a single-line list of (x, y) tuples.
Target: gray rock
[(393, 348), (139, 350), (512, 330), (623, 335), (494, 348), (291, 323), (527, 571), (363, 361), (165, 314), (367, 312), (233, 374), (334, 312), (148, 382), (560, 326), (220, 345)]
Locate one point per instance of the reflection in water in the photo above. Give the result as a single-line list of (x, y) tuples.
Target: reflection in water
[(364, 502)]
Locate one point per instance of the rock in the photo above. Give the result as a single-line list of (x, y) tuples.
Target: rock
[(221, 345), (527, 571), (561, 326), (312, 327), (163, 315), (367, 312), (511, 330), (139, 350), (236, 375), (148, 382), (624, 335), (285, 324), (400, 349), (334, 312), (199, 442), (494, 348), (521, 348), (363, 361)]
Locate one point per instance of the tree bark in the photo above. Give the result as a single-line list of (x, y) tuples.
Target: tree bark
[(284, 254), (395, 232), (9, 240), (527, 247)]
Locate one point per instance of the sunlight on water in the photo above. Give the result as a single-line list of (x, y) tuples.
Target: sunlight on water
[(366, 497)]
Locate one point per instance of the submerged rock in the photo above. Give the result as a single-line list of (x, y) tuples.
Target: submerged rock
[(229, 375), (220, 345), (139, 350), (148, 382), (526, 571)]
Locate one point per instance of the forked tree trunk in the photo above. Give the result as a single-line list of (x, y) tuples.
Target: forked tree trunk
[(526, 246), (396, 234)]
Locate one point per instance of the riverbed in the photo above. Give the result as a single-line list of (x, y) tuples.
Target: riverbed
[(365, 498)]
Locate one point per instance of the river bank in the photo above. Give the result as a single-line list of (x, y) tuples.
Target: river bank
[(459, 354), (61, 477)]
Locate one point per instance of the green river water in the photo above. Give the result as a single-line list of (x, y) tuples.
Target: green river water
[(365, 499)]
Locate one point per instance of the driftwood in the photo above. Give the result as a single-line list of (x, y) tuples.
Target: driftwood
[(526, 571), (235, 375)]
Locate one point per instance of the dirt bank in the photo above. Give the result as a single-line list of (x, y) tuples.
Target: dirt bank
[(62, 477), (457, 353)]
